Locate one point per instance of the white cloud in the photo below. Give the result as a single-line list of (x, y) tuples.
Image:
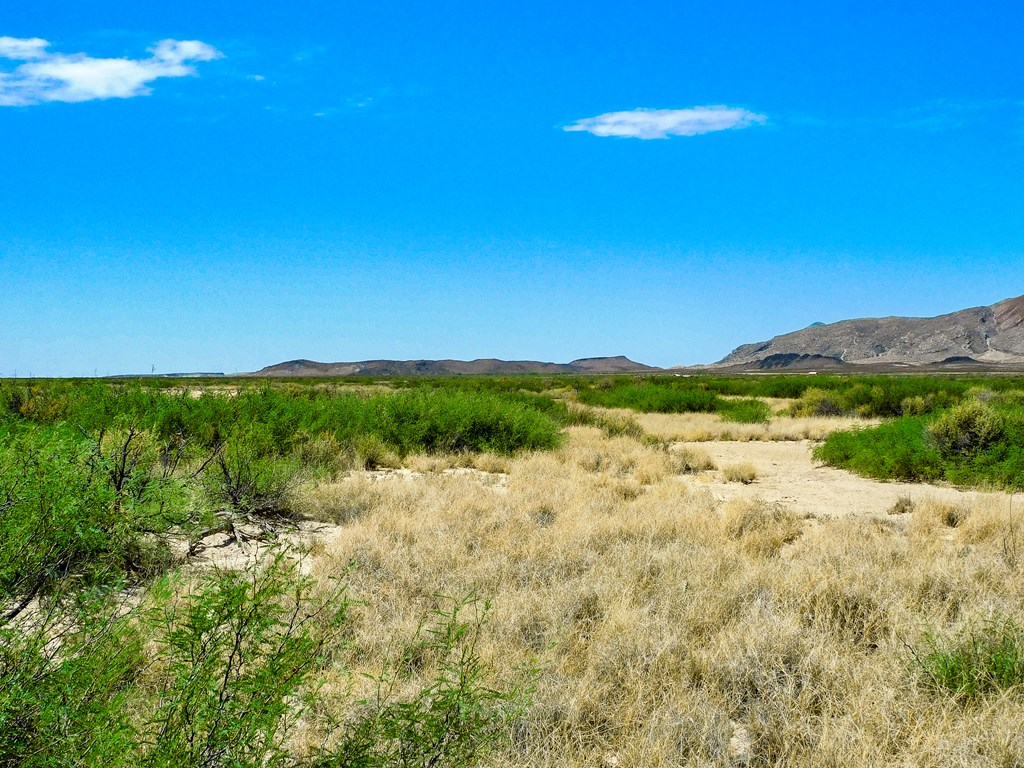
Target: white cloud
[(22, 49), (76, 77), (662, 123)]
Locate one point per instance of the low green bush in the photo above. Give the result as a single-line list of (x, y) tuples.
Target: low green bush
[(987, 658), (896, 450), (650, 397), (818, 402)]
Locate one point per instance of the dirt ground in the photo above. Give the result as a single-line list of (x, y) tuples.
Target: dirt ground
[(787, 474)]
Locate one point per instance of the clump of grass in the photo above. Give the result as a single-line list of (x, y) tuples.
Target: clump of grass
[(613, 424), (936, 515), (902, 506), (982, 659), (761, 529), (690, 460), (744, 472)]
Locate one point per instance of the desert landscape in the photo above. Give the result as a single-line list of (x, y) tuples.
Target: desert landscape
[(511, 384), (537, 571)]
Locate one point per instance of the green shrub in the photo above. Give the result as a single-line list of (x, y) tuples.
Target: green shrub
[(234, 657), (966, 429), (67, 682), (983, 659), (818, 402), (746, 411), (78, 510), (251, 483), (650, 397), (973, 445), (894, 450), (915, 405)]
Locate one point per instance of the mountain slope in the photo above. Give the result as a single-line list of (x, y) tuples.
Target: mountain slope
[(617, 364), (993, 334)]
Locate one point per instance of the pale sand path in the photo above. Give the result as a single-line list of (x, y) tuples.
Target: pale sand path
[(787, 474)]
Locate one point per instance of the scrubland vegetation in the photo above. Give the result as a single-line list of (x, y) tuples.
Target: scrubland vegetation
[(979, 441), (511, 571)]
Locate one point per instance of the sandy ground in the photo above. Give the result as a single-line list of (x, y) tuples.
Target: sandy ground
[(787, 474)]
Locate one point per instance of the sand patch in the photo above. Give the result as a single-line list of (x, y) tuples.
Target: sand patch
[(788, 475)]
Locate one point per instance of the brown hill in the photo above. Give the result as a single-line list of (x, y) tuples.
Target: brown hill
[(989, 336), (488, 366)]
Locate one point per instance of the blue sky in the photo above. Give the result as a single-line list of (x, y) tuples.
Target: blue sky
[(215, 186)]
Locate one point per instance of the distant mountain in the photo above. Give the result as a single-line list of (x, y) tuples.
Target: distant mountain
[(992, 336), (617, 364)]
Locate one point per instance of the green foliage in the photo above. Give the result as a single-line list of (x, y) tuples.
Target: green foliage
[(818, 402), (234, 657), (973, 444), (452, 722), (649, 397), (895, 450), (250, 483), (878, 396), (983, 659), (745, 411), (966, 429), (79, 509), (268, 420), (235, 668), (868, 396), (65, 680)]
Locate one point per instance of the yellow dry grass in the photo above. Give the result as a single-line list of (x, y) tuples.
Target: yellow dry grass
[(701, 427), (744, 472), (675, 630)]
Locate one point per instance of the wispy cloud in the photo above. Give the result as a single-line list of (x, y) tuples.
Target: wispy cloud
[(953, 114), (46, 76), (663, 123)]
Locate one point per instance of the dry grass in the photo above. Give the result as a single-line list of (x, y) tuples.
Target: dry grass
[(744, 472), (672, 629), (701, 427)]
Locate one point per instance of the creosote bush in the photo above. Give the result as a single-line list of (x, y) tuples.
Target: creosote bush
[(966, 428)]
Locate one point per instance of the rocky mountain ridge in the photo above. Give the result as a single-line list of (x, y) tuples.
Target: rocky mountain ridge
[(992, 335)]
